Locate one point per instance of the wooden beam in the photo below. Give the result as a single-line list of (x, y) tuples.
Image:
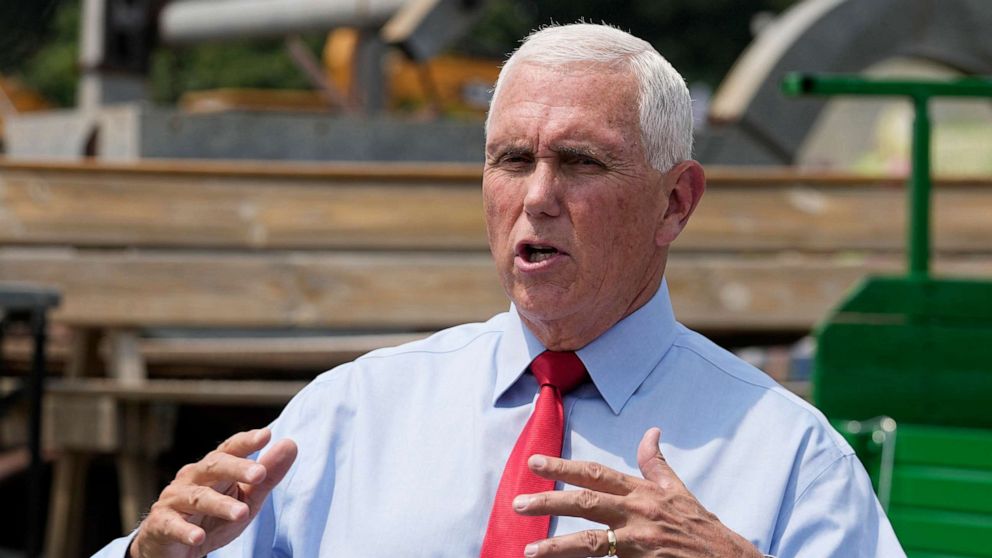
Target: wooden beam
[(249, 212), (194, 392), (417, 292), (310, 353), (438, 207), (240, 351), (277, 289)]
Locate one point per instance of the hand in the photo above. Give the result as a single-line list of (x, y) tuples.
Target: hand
[(654, 516), (210, 502)]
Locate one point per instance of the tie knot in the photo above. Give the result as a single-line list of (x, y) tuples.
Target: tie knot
[(563, 370)]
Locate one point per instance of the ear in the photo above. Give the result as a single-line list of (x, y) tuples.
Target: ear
[(684, 185)]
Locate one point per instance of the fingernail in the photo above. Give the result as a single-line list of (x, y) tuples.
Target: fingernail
[(538, 461), (234, 512), (191, 539), (530, 550), (520, 503)]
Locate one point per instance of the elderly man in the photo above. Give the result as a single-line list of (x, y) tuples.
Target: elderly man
[(455, 445)]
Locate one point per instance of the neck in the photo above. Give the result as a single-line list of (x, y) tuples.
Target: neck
[(574, 332)]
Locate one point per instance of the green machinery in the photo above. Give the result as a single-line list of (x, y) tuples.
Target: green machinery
[(904, 365)]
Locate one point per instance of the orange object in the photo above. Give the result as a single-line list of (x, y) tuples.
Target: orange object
[(15, 97), (452, 83)]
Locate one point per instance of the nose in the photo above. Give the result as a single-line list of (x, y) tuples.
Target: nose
[(543, 195)]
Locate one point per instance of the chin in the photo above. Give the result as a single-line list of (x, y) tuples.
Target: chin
[(542, 303)]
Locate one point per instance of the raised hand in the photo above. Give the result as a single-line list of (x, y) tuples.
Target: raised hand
[(210, 502), (654, 516)]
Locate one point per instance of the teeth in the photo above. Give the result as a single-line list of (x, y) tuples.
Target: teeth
[(537, 253)]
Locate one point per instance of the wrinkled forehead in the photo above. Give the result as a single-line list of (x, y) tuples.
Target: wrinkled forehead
[(584, 97), (592, 83)]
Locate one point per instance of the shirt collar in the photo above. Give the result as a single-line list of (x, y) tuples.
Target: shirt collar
[(618, 361)]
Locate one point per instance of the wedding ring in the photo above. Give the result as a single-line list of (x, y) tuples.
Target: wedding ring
[(611, 538)]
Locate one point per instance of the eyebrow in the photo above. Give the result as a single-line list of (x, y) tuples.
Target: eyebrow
[(580, 151), (508, 149)]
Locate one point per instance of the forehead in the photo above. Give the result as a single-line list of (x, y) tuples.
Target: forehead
[(592, 103)]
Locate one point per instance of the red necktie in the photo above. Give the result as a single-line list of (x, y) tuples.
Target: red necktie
[(509, 532)]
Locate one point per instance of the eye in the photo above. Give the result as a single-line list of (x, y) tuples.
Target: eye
[(583, 161), (513, 159)]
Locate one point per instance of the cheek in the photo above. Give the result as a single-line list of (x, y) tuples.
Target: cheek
[(498, 214), (499, 202), (617, 231)]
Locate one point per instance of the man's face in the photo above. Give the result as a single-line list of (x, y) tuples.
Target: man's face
[(572, 206)]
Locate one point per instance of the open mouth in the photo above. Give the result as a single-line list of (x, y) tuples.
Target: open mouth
[(535, 253)]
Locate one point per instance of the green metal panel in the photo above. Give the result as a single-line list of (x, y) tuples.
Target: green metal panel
[(918, 350), (941, 531), (941, 488), (796, 84), (913, 348), (917, 373), (966, 448), (912, 554), (935, 483), (960, 300)]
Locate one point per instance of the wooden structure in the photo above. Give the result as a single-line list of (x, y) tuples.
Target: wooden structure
[(352, 257)]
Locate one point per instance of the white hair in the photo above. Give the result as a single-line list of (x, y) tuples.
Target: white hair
[(665, 108)]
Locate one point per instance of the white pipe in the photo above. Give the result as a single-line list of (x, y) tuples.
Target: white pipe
[(207, 20)]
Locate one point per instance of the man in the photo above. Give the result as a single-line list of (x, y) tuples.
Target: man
[(404, 452)]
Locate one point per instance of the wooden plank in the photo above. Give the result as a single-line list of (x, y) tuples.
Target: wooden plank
[(388, 291), (807, 217), (194, 392), (312, 352), (432, 171), (346, 290), (126, 363), (252, 207), (63, 536), (205, 210), (784, 292), (87, 423), (260, 350), (379, 170)]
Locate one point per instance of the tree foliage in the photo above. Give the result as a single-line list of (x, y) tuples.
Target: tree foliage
[(23, 26), (701, 39)]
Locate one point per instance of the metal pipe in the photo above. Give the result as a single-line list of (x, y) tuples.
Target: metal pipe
[(919, 192), (211, 20), (919, 92)]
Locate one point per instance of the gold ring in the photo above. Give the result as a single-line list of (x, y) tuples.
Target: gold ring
[(611, 538)]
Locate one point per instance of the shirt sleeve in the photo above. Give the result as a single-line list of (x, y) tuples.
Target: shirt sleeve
[(836, 516), (117, 547)]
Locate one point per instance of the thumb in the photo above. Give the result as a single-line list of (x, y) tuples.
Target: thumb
[(652, 463), (276, 462)]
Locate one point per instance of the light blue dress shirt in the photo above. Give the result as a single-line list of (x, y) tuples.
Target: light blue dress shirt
[(401, 451)]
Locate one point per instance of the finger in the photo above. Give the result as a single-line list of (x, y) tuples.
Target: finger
[(165, 525), (595, 506), (203, 500), (575, 545), (276, 462), (586, 474), (219, 466), (244, 444), (652, 463)]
